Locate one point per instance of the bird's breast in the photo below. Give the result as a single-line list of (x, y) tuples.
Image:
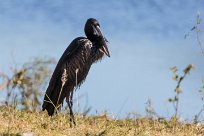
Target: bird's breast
[(80, 63)]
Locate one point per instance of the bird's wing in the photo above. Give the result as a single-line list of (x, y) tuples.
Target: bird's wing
[(71, 50)]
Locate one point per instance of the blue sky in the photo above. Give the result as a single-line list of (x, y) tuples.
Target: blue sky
[(146, 38)]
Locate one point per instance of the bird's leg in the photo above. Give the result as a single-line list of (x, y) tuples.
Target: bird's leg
[(71, 112), (69, 100), (70, 104)]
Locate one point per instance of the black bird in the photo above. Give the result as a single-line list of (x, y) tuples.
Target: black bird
[(73, 67)]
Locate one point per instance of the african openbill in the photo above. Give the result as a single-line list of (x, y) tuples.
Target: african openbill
[(73, 67)]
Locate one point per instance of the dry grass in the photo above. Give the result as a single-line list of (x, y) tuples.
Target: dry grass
[(18, 122)]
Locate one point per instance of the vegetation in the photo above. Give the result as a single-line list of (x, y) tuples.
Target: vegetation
[(22, 122), (178, 79), (25, 85)]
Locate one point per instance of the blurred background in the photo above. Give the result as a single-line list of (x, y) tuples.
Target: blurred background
[(146, 38)]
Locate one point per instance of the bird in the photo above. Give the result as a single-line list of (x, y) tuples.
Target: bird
[(73, 67)]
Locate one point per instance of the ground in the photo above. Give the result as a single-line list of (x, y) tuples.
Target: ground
[(19, 122)]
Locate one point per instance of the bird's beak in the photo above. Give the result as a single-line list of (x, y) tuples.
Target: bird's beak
[(104, 47)]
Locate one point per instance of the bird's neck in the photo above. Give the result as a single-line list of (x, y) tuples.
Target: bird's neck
[(97, 41)]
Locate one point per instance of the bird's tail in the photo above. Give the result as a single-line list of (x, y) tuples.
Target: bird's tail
[(49, 105), (53, 100)]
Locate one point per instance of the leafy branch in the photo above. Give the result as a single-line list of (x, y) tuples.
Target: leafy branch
[(175, 100), (197, 29), (25, 85)]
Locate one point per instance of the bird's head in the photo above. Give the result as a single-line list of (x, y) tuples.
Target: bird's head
[(94, 34)]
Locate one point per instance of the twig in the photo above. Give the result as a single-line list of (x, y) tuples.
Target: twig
[(198, 21), (4, 85), (50, 101), (198, 115), (199, 41), (196, 28), (178, 91), (63, 79), (77, 98)]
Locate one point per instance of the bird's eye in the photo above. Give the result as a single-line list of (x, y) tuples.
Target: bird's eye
[(96, 24)]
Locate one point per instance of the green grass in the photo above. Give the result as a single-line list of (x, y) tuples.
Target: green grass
[(17, 122)]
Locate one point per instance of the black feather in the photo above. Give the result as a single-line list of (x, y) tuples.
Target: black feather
[(72, 69)]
